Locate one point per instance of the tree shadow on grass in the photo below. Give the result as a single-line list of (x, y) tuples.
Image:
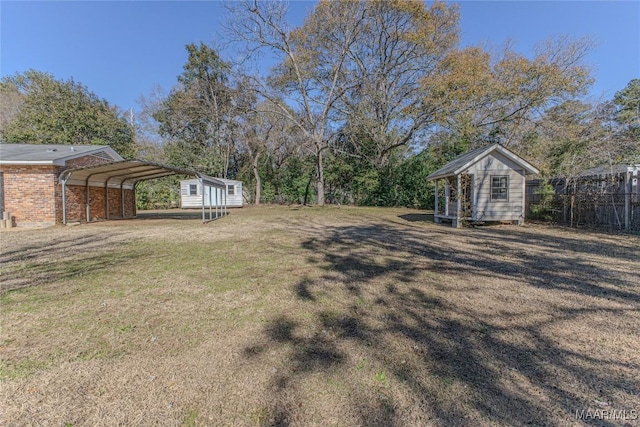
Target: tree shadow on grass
[(415, 217), (411, 300), (50, 247), (65, 258)]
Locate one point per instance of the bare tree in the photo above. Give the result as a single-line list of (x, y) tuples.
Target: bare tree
[(305, 84), (400, 44), (266, 135)]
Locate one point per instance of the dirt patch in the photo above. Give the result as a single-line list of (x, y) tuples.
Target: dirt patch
[(308, 316)]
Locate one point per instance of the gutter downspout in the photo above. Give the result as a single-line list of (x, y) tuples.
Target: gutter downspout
[(63, 181)]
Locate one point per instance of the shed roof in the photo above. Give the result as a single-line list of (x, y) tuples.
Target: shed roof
[(462, 162), (51, 154), (127, 173)]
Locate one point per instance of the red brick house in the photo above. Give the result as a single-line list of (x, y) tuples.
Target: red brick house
[(43, 185), (29, 187)]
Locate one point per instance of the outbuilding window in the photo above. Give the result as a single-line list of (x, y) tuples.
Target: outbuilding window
[(193, 189), (500, 187), (231, 190)]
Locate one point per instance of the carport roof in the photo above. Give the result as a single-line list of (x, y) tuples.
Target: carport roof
[(128, 173)]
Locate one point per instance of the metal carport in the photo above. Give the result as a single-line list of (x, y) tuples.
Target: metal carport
[(125, 175)]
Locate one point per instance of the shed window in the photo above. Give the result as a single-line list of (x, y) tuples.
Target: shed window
[(500, 187), (231, 190), (193, 189)]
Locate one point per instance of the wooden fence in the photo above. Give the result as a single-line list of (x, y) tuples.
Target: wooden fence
[(610, 201)]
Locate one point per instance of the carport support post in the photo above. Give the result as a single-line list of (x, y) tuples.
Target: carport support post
[(203, 208), (210, 202), (64, 199), (122, 197), (88, 206), (106, 198)]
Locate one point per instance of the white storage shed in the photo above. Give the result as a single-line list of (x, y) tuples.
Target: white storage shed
[(486, 184), (191, 194)]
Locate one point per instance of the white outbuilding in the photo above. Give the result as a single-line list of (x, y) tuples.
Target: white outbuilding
[(486, 184), (191, 194)]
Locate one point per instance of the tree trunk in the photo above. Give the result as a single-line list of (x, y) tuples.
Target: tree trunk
[(306, 191), (227, 153), (320, 178), (256, 175), (573, 203)]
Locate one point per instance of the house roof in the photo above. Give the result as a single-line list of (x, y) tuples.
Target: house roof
[(462, 162), (50, 154), (614, 169)]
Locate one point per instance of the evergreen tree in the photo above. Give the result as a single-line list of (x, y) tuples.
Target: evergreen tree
[(51, 111)]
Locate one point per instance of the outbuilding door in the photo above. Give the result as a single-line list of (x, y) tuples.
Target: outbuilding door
[(466, 197)]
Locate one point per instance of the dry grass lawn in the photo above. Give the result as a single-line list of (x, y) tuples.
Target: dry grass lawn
[(311, 316)]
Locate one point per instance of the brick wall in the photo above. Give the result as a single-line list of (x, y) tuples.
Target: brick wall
[(115, 203), (77, 205), (129, 204), (30, 193), (76, 196), (33, 196)]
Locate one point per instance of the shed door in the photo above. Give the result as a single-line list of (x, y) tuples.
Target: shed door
[(466, 198)]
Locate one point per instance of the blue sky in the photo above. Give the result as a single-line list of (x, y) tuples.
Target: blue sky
[(123, 49)]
